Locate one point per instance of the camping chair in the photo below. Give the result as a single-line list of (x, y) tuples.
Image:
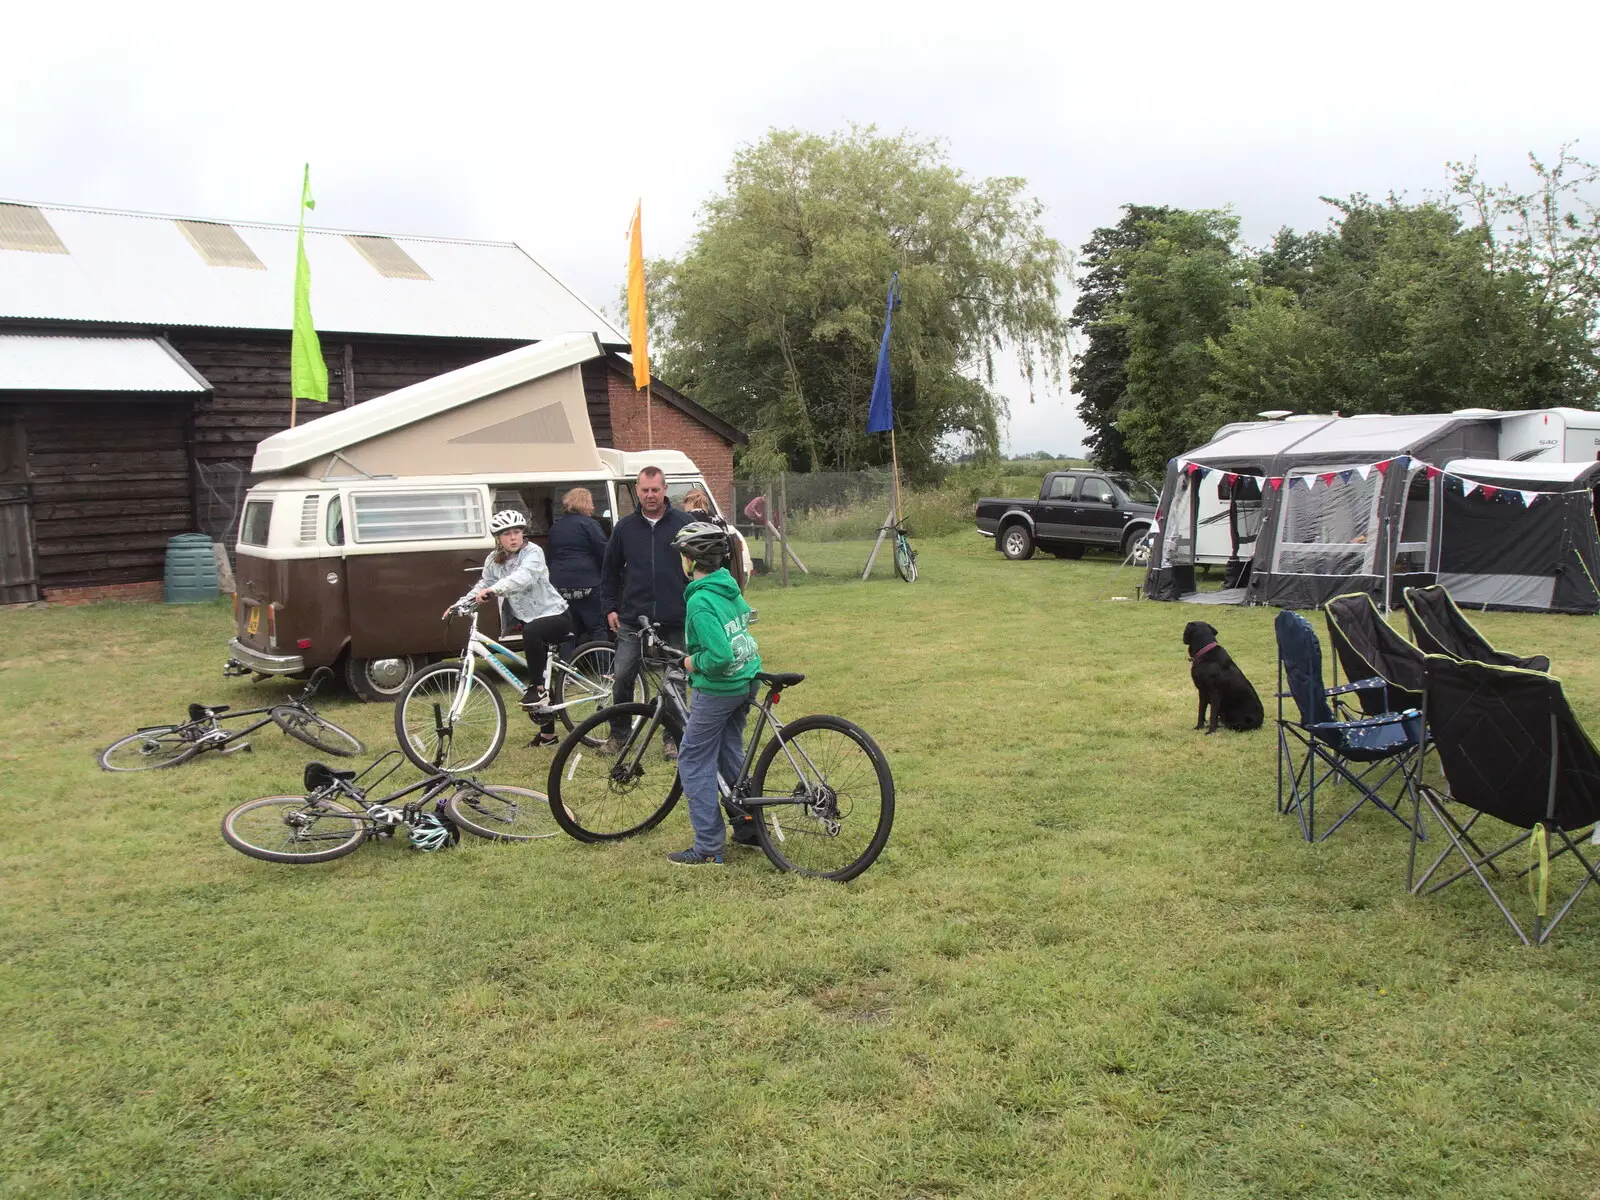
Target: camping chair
[(1329, 743), (1512, 750), (1366, 646), (1439, 627)]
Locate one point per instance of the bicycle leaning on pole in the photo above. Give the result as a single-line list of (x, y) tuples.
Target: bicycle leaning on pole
[(820, 790), (449, 717), (157, 746)]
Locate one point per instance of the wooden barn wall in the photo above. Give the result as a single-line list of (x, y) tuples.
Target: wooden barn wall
[(250, 375), (597, 398), (109, 484)]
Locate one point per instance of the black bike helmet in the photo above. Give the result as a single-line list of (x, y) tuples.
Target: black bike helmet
[(704, 543)]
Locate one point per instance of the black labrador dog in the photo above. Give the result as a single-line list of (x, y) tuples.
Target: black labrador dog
[(1220, 682)]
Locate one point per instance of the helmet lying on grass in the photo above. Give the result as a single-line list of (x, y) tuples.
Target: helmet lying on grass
[(430, 832)]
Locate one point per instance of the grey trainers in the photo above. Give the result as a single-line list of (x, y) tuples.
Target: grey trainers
[(693, 858), (669, 749)]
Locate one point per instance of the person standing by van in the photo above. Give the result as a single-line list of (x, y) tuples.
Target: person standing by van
[(697, 503), (576, 550), (643, 577), (514, 573)]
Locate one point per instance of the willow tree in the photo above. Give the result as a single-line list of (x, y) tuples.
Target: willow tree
[(773, 315)]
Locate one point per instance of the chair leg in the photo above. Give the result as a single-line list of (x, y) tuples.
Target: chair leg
[(1449, 825)]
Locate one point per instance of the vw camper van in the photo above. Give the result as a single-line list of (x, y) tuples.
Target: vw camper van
[(368, 522)]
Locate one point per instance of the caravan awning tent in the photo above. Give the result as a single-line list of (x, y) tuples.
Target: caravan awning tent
[(1367, 504)]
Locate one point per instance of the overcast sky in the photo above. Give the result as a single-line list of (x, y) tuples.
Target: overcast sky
[(542, 123)]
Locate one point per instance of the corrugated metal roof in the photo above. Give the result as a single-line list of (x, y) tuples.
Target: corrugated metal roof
[(340, 430), (138, 268), (45, 363)]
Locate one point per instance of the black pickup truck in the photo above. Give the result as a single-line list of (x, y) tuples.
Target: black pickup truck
[(1075, 510)]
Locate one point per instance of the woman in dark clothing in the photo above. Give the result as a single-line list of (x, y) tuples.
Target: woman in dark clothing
[(575, 548)]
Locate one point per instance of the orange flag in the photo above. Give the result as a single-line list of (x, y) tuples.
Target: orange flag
[(638, 327)]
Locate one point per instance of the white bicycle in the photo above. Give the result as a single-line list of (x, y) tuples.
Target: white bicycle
[(450, 717)]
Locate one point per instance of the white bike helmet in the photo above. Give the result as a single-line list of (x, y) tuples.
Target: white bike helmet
[(507, 518), (429, 833)]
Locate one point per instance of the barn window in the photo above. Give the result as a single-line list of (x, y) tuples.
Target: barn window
[(386, 257), (23, 227), (220, 245), (417, 516)]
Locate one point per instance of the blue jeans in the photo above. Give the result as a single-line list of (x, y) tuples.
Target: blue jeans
[(712, 743), (627, 665)]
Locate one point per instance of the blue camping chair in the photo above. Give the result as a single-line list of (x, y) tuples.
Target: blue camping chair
[(1329, 743)]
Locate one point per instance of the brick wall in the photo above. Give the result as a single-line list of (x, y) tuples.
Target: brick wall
[(112, 591), (673, 430)]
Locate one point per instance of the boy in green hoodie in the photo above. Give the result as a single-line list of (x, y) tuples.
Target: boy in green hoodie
[(722, 665)]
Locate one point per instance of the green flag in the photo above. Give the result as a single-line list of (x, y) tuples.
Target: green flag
[(308, 373)]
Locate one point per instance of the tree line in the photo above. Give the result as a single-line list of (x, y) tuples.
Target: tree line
[(1482, 296)]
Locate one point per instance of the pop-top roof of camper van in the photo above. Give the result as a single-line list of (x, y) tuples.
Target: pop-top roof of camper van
[(340, 430), (1374, 436)]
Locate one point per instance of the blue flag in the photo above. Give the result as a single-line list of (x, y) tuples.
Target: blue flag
[(880, 413)]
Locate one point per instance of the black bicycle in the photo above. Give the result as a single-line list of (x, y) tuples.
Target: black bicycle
[(820, 791), (337, 812), (157, 746)]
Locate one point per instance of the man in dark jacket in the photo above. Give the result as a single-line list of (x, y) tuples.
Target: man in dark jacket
[(643, 577)]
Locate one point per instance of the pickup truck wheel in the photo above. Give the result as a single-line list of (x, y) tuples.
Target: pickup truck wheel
[(1133, 547), (1071, 550), (380, 680), (1016, 543)]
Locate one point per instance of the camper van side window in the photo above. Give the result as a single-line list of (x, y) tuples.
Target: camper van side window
[(257, 523), (417, 516), (335, 525)]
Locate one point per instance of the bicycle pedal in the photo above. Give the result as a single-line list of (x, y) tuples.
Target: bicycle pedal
[(236, 747)]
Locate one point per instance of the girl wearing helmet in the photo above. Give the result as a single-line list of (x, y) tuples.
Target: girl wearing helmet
[(514, 573), (722, 665), (697, 502)]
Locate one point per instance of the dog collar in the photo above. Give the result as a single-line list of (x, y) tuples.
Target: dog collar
[(1209, 646)]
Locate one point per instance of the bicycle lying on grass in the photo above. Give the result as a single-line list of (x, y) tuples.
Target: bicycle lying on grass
[(337, 813), (820, 790), (451, 718), (157, 746)]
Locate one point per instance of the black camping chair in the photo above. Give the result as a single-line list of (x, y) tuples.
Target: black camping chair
[(1329, 743), (1367, 646), (1512, 750), (1439, 627)]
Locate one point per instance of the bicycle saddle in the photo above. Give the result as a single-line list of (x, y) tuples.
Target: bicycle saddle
[(780, 679), (199, 712), (320, 775)]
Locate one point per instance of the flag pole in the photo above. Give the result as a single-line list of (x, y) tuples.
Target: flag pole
[(894, 457), (649, 420)]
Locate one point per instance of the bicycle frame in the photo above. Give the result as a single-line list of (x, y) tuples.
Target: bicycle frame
[(380, 814), (480, 646), (735, 794), (211, 722)]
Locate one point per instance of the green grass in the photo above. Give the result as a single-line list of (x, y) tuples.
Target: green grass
[(1092, 961)]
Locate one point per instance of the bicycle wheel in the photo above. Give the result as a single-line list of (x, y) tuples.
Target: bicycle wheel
[(294, 829), (151, 749), (502, 814), (427, 735), (315, 731), (588, 689), (844, 793), (599, 794), (905, 559)]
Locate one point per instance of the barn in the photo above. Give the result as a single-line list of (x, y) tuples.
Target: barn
[(143, 357)]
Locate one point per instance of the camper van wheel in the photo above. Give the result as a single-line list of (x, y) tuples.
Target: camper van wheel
[(379, 680)]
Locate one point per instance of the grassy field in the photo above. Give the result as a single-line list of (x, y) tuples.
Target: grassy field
[(1092, 961)]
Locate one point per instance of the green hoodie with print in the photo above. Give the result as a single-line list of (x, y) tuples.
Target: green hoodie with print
[(717, 628)]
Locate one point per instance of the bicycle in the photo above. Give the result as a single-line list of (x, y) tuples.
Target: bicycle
[(155, 746), (905, 558), (820, 791), (448, 717), (336, 814)]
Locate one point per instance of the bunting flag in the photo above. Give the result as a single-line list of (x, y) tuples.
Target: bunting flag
[(1327, 478), (1529, 497), (308, 371), (1364, 472), (1276, 481), (1195, 472), (1488, 492), (1382, 468), (1434, 472), (1467, 487)]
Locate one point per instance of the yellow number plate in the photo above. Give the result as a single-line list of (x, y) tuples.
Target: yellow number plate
[(254, 623)]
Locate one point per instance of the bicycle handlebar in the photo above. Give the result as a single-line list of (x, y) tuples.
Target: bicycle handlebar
[(318, 677), (648, 632)]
